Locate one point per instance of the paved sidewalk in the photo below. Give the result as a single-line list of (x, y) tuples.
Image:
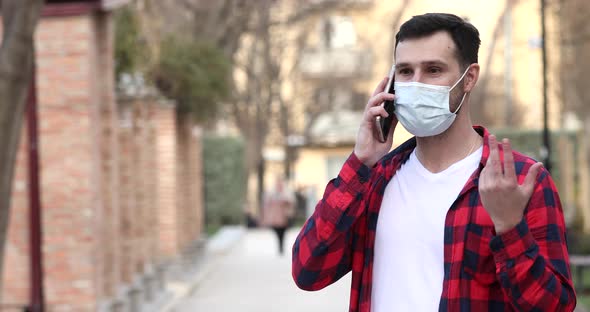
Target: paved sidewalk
[(242, 271), (252, 277)]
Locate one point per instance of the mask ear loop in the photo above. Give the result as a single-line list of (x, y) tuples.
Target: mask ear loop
[(462, 99), (462, 76), (464, 93)]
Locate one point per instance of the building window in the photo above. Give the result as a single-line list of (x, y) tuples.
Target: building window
[(337, 32), (339, 97)]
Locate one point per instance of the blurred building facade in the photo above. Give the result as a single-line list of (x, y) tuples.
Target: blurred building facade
[(349, 48), (121, 177)]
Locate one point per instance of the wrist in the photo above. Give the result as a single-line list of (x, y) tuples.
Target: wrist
[(502, 227), (366, 160)]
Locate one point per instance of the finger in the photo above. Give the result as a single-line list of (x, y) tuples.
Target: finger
[(487, 180), (483, 177), (531, 177), (493, 163), (380, 98), (381, 86), (509, 170), (373, 112), (377, 111)]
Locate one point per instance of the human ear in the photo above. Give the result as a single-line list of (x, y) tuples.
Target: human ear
[(471, 77)]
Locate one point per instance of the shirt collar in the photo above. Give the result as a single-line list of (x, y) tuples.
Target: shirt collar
[(402, 153)]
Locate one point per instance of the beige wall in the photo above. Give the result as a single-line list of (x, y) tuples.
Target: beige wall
[(311, 169)]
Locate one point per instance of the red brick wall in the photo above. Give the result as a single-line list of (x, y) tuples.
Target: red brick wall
[(190, 192), (104, 119), (180, 192), (126, 191), (167, 182), (65, 91), (138, 186), (121, 183), (152, 225)]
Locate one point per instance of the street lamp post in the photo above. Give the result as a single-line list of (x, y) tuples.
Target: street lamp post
[(546, 150)]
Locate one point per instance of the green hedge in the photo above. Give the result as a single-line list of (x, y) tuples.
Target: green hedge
[(225, 180), (578, 242)]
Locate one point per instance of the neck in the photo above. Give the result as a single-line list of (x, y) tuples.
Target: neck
[(439, 152)]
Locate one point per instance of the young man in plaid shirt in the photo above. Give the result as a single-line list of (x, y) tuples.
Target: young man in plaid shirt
[(451, 220)]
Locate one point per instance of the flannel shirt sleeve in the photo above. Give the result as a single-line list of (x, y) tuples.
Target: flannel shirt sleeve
[(323, 250), (532, 262)]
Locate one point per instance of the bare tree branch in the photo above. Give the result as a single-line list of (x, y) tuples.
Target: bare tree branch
[(19, 19), (395, 24)]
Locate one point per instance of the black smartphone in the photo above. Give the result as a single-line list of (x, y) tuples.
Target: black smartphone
[(384, 124)]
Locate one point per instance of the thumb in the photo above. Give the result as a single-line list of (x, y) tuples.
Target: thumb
[(531, 177)]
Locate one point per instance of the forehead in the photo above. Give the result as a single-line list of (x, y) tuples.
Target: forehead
[(436, 47)]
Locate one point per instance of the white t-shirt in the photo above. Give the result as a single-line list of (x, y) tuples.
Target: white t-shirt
[(409, 244)]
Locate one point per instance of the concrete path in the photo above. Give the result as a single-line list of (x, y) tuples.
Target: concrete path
[(252, 277)]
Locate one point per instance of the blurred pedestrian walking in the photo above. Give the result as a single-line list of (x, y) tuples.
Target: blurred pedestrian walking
[(278, 210)]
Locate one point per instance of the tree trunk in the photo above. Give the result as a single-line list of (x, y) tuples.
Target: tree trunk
[(19, 19)]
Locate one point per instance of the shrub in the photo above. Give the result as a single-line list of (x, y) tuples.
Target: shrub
[(195, 74), (224, 179)]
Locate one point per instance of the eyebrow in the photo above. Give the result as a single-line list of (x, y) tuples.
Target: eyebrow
[(430, 62)]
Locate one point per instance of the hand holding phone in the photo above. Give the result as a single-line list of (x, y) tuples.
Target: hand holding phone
[(383, 124), (367, 147)]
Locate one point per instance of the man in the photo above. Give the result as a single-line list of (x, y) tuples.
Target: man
[(451, 220)]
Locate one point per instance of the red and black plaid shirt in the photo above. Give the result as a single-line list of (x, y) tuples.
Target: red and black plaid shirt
[(524, 269)]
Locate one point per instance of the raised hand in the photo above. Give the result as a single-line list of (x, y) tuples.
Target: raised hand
[(501, 195), (368, 149)]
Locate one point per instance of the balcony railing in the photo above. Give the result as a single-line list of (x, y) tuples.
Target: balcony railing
[(335, 63)]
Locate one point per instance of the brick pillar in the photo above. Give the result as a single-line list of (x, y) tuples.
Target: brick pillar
[(183, 176), (106, 125), (138, 232), (190, 193), (68, 151), (126, 189), (77, 148), (197, 198), (142, 129), (164, 117), (153, 176), (153, 278)]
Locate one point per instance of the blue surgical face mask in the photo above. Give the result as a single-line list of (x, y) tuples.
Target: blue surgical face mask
[(423, 109)]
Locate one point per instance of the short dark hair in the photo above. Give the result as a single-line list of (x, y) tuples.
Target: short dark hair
[(464, 35)]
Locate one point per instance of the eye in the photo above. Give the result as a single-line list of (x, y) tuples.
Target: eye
[(434, 70), (404, 71)]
